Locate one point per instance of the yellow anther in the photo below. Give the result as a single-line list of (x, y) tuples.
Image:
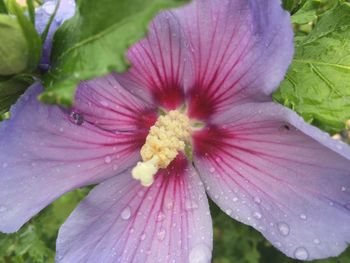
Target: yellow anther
[(165, 140)]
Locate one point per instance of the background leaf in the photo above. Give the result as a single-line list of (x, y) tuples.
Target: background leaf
[(93, 43), (10, 90), (14, 51), (307, 13), (35, 242), (3, 9), (317, 85), (31, 10), (31, 35)]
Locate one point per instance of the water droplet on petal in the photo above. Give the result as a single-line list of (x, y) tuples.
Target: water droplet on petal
[(160, 217), (301, 253), (257, 200), (257, 215), (143, 236), (104, 103), (4, 165), (190, 204), (108, 159), (283, 228), (200, 253), (235, 199), (161, 234), (317, 241), (303, 216), (169, 204), (126, 213), (343, 188), (77, 118), (3, 209)]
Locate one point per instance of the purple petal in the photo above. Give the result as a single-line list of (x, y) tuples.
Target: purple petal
[(240, 51), (264, 166), (42, 17), (158, 63), (47, 151), (122, 221), (105, 103)]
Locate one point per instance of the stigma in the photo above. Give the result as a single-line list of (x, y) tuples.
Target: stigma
[(166, 138)]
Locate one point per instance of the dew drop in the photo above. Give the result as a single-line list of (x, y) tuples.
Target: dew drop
[(104, 103), (77, 118), (303, 216), (200, 253), (108, 159), (126, 213), (301, 253), (343, 189), (169, 204), (317, 241), (161, 234), (257, 215), (4, 165), (257, 200), (160, 217), (143, 236), (190, 205), (235, 199), (283, 228), (212, 170), (3, 209)]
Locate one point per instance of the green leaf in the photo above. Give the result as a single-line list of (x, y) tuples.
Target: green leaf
[(307, 13), (35, 242), (10, 90), (94, 41), (14, 51), (293, 5), (31, 10), (317, 85), (3, 9), (30, 34)]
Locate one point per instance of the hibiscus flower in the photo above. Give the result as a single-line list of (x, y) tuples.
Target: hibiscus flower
[(192, 117)]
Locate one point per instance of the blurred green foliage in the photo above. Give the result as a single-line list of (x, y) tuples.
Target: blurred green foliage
[(35, 242)]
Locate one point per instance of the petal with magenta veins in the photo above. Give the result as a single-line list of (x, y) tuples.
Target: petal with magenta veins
[(47, 151), (122, 221), (158, 64), (264, 166), (106, 104), (240, 50)]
